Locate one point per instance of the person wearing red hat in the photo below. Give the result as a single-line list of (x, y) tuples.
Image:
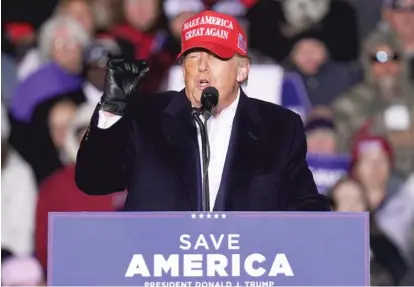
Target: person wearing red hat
[(150, 144), (372, 159), (373, 166)]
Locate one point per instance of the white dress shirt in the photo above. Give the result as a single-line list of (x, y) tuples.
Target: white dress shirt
[(219, 130)]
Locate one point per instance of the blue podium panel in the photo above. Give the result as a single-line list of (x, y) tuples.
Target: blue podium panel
[(157, 249)]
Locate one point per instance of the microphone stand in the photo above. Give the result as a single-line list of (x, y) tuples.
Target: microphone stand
[(205, 146)]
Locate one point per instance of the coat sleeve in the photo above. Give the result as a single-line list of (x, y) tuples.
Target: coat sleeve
[(303, 194), (105, 157)]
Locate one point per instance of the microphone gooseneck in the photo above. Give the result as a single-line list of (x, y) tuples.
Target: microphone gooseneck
[(209, 99), (205, 153)]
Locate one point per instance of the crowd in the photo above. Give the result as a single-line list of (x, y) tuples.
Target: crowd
[(354, 60)]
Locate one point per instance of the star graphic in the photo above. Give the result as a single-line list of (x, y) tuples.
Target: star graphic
[(216, 216), (193, 216), (209, 215), (223, 216), (201, 215)]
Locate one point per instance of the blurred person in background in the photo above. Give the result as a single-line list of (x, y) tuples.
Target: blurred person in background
[(58, 193), (45, 148), (60, 117), (106, 14), (23, 38), (386, 82), (94, 61), (387, 265), (347, 195), (373, 167), (324, 78), (79, 10), (320, 132), (22, 271), (61, 44), (145, 27), (18, 197), (275, 24), (401, 223), (399, 14), (7, 46)]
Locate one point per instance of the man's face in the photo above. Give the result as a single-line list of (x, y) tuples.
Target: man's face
[(373, 168), (309, 55), (66, 51), (321, 142), (142, 14), (385, 65), (81, 11), (202, 69), (402, 20)]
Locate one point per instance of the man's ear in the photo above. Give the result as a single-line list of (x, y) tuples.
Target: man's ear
[(243, 69)]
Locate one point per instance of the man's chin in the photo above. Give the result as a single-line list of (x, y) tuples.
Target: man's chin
[(193, 98), (195, 103), (386, 83)]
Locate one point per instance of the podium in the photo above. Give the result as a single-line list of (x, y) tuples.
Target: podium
[(175, 249)]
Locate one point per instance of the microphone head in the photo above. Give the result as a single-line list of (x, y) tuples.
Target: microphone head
[(209, 98)]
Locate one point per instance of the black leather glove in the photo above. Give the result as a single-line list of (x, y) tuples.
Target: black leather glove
[(122, 78)]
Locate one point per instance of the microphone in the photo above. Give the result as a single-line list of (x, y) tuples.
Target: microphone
[(209, 99)]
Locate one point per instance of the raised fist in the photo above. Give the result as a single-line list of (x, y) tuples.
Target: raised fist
[(122, 78)]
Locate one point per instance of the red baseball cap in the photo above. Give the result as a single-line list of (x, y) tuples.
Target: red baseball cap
[(219, 33)]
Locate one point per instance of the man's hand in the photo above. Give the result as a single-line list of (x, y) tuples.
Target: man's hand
[(122, 79)]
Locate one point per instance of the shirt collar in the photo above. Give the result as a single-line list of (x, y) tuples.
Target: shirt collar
[(235, 103), (233, 106)]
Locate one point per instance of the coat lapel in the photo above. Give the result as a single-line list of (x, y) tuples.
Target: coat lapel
[(180, 131), (244, 139)]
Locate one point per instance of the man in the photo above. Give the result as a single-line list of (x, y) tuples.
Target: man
[(148, 144), (324, 79), (382, 103)]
